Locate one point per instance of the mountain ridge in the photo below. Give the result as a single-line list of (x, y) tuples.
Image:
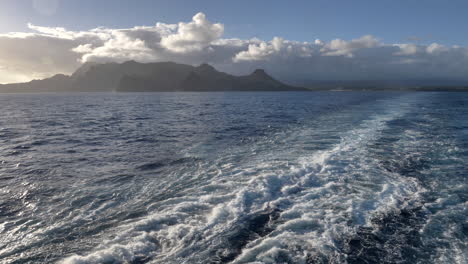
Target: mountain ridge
[(132, 76)]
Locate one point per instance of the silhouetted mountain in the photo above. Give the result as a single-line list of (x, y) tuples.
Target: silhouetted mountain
[(56, 83), (132, 76), (178, 77)]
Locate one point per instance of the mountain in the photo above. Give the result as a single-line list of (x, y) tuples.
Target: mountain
[(132, 76), (178, 77), (55, 83)]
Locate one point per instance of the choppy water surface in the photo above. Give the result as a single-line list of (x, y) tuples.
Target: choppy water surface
[(234, 177)]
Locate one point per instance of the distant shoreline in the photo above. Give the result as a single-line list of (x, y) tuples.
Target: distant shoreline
[(239, 91), (132, 76)]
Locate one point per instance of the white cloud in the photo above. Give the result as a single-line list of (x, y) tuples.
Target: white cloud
[(35, 56), (277, 47), (255, 52), (436, 48), (120, 46), (339, 47), (83, 48), (50, 50), (58, 32), (193, 36), (406, 49)]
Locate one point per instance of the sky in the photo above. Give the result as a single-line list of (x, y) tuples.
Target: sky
[(294, 40)]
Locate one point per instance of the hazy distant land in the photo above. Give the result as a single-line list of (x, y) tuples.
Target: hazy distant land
[(133, 76)]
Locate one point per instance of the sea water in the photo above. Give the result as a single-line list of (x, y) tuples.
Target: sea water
[(299, 177)]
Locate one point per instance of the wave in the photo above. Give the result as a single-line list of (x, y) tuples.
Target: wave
[(271, 212), (374, 180)]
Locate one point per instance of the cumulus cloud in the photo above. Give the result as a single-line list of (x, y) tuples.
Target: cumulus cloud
[(50, 50), (436, 48), (407, 49), (261, 50), (339, 47), (193, 36)]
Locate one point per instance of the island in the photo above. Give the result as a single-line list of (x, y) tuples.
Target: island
[(132, 76)]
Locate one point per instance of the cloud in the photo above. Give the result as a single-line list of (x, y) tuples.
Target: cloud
[(277, 47), (436, 48), (49, 50), (34, 56), (193, 36), (407, 49), (339, 47)]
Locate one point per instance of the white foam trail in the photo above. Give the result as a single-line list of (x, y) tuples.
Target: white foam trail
[(322, 200)]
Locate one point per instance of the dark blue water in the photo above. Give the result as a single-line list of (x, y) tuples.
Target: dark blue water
[(234, 177)]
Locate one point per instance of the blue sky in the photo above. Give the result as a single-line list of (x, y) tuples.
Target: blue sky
[(393, 21)]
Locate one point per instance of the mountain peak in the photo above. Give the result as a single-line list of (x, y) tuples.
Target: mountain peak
[(130, 62), (259, 71), (59, 76), (261, 74), (146, 77), (85, 67), (205, 67)]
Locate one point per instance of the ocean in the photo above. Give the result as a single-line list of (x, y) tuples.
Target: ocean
[(239, 177)]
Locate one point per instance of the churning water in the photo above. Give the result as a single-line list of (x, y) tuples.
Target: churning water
[(234, 177)]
